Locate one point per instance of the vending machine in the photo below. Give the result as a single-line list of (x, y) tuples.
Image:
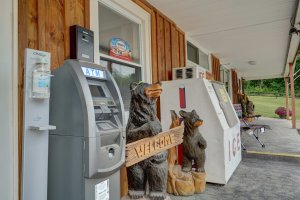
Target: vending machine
[(87, 149), (221, 127)]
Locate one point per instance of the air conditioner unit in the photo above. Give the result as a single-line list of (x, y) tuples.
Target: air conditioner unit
[(188, 72)]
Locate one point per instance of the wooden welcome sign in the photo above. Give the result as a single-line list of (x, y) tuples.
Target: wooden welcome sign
[(147, 147)]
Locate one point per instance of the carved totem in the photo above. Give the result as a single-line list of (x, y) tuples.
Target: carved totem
[(179, 182), (143, 123), (194, 144), (193, 147)]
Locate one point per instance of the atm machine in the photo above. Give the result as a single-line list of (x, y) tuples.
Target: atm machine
[(87, 149), (221, 127)]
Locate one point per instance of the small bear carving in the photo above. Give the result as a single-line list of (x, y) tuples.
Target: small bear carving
[(143, 123), (179, 183), (194, 144)]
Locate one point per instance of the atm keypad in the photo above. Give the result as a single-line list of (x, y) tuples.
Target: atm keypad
[(114, 110), (105, 109), (104, 126), (111, 103)]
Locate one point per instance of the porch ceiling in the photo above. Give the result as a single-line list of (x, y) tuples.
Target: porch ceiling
[(238, 31)]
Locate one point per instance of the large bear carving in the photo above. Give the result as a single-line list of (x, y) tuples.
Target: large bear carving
[(143, 123)]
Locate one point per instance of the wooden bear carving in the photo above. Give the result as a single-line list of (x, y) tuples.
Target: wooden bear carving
[(143, 123), (194, 144), (179, 183)]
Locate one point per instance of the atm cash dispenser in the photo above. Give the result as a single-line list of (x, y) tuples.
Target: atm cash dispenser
[(87, 149)]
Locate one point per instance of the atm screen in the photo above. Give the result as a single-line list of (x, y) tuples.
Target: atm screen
[(97, 91)]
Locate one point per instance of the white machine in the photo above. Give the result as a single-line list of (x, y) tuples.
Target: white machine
[(221, 127)]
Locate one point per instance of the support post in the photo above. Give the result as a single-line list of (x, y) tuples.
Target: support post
[(293, 95), (243, 86), (286, 80)]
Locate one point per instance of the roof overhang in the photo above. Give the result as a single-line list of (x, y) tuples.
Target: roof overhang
[(240, 31), (294, 43)]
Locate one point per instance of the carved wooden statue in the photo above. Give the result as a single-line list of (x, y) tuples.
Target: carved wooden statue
[(179, 183), (194, 144), (250, 108), (143, 123)]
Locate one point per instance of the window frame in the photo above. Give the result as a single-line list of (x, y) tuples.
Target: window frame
[(200, 49), (136, 14), (223, 68)]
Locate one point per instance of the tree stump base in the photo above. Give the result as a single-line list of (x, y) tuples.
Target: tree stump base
[(199, 181), (185, 183)]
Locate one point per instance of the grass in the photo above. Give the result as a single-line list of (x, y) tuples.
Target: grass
[(266, 106)]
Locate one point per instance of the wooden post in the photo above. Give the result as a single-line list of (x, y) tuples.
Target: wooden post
[(286, 80), (124, 181), (293, 95), (243, 86)]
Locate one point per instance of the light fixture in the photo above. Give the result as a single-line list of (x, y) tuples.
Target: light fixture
[(252, 62), (294, 30)]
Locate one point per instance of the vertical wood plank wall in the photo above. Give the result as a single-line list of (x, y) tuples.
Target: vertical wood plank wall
[(215, 62), (44, 25), (168, 43), (235, 86), (243, 86)]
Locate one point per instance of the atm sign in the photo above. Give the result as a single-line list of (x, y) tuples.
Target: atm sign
[(91, 72)]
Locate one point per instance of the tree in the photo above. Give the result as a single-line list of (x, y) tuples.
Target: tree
[(274, 86)]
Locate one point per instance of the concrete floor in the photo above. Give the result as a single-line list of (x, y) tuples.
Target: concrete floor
[(265, 177), (256, 179), (280, 139), (262, 176)]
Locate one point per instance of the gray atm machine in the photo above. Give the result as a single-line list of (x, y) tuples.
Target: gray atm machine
[(87, 149)]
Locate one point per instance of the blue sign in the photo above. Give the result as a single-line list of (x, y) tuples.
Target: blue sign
[(91, 72)]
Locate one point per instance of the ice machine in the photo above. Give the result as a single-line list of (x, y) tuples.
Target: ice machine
[(221, 127), (87, 149)]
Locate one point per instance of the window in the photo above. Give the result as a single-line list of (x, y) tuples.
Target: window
[(192, 53), (123, 75), (124, 43), (196, 57), (113, 25), (224, 73)]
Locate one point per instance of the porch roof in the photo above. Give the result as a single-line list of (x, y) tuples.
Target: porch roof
[(239, 31)]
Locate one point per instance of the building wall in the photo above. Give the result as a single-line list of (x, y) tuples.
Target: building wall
[(235, 87), (168, 44), (44, 25), (8, 105), (215, 62)]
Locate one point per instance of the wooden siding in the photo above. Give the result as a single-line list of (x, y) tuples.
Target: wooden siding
[(44, 25), (168, 44), (235, 86), (243, 86), (215, 64), (168, 51)]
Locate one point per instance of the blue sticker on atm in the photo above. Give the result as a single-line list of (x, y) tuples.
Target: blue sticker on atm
[(91, 72)]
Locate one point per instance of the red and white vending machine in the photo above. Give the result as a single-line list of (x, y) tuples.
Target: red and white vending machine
[(221, 127)]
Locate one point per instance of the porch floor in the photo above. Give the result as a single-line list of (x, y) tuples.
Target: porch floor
[(280, 138), (267, 173), (256, 179)]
